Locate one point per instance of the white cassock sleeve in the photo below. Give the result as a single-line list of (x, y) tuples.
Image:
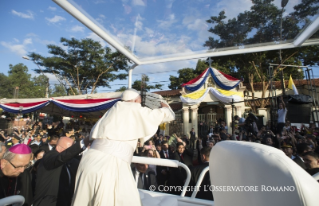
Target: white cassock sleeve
[(129, 121)]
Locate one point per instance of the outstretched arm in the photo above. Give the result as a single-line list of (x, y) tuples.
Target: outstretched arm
[(283, 103)]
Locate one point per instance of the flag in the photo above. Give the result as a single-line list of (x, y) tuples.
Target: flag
[(292, 86)]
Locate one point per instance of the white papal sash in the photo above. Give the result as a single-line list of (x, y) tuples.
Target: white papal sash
[(119, 149)]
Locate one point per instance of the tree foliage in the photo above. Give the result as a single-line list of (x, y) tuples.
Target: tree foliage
[(84, 64), (18, 77), (137, 84), (58, 91), (259, 25)]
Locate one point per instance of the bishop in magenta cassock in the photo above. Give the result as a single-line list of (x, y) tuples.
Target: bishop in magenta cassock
[(14, 179)]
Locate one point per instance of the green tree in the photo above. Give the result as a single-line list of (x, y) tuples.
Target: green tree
[(85, 64), (19, 77), (6, 90), (259, 25), (137, 84), (121, 89), (20, 84), (40, 85), (184, 75), (58, 91)]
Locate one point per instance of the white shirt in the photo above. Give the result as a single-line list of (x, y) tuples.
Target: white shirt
[(282, 115), (166, 154)]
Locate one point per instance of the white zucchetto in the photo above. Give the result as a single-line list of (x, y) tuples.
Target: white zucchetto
[(130, 94)]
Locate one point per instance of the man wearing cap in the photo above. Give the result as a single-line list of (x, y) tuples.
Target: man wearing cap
[(13, 164), (14, 140), (287, 149), (104, 175)]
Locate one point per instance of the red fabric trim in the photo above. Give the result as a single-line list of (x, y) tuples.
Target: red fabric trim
[(83, 101), (24, 104), (195, 79), (229, 77)]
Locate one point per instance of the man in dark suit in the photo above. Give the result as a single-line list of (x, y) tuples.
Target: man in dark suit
[(192, 138), (163, 172), (204, 192), (301, 148), (145, 176), (51, 144), (56, 173), (199, 146), (178, 175)]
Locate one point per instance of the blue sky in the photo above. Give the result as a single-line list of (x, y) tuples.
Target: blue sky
[(28, 26), (150, 28)]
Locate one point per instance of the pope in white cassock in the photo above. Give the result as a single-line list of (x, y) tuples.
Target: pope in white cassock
[(104, 176)]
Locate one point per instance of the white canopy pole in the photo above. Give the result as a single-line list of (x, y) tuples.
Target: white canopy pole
[(130, 72), (307, 33), (96, 29)]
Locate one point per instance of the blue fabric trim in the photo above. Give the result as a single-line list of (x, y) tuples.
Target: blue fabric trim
[(195, 88), (24, 111), (220, 84)]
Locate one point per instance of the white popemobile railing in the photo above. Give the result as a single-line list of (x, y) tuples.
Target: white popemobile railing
[(182, 200), (166, 163), (15, 200)]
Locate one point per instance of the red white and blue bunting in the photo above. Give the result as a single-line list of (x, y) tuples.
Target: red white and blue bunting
[(224, 81), (75, 105), (23, 107)]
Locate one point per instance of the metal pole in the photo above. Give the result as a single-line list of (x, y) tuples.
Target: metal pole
[(47, 89), (232, 114), (280, 58), (130, 71)]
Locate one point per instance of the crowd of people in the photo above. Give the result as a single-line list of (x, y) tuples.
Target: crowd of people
[(41, 161)]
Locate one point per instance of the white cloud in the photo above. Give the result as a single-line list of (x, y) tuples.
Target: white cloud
[(16, 40), (168, 67), (100, 18), (77, 29), (138, 3), (52, 8), (232, 7), (55, 19), (27, 41), (19, 49), (32, 34), (166, 24), (28, 15), (153, 47)]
